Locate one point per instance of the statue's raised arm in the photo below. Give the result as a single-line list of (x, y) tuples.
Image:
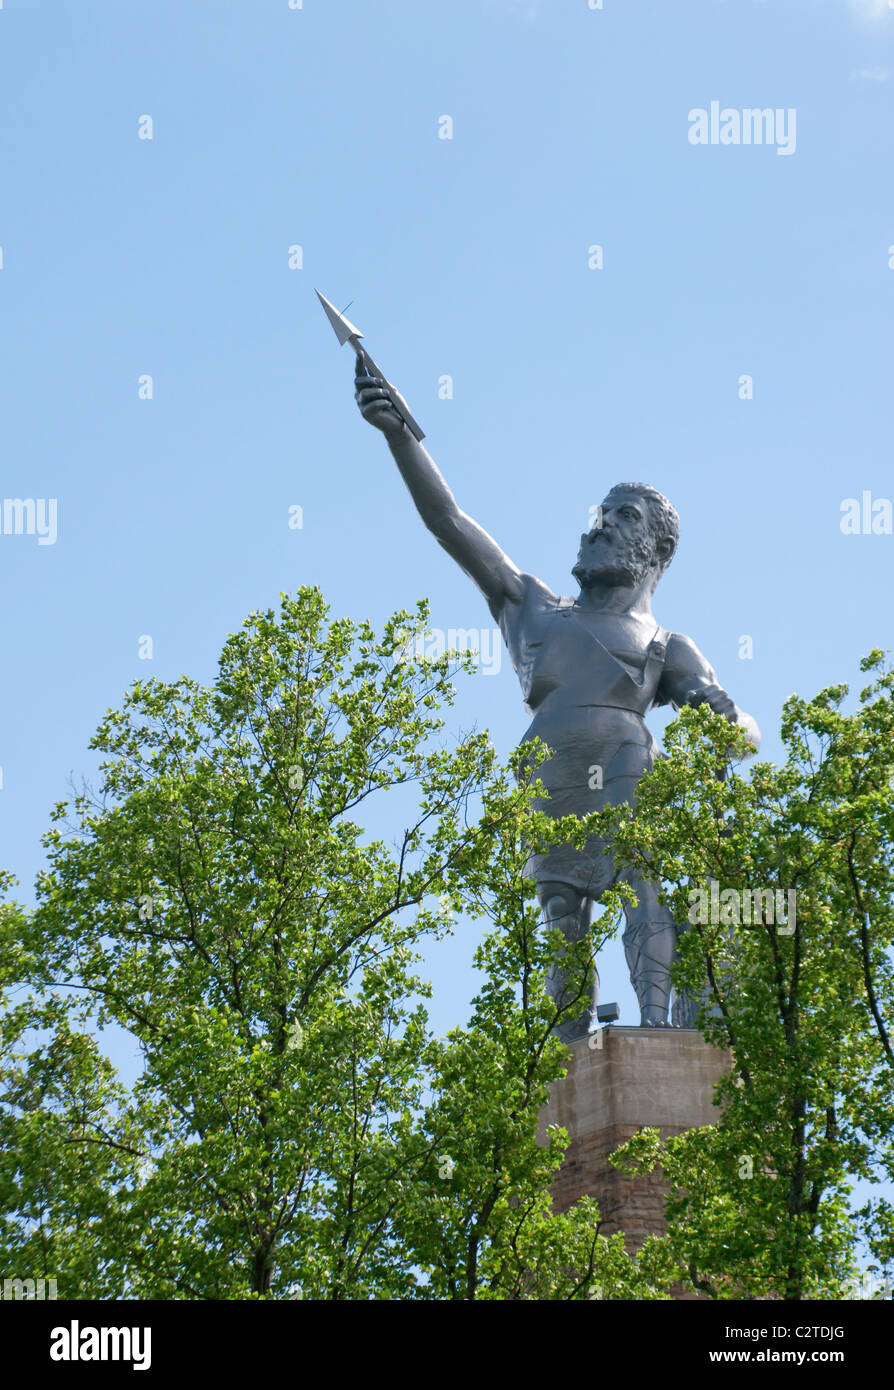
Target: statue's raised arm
[(469, 544)]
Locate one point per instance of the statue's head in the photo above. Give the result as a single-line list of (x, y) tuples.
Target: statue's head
[(634, 538)]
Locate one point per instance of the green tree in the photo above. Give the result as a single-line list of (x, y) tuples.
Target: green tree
[(802, 998), (296, 1130)]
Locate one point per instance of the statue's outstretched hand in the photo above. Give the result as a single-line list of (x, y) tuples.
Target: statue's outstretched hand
[(372, 396)]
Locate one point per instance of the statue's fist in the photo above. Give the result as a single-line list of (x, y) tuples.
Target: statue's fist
[(374, 397)]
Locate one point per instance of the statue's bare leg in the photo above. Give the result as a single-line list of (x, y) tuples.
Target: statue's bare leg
[(566, 907), (650, 944)]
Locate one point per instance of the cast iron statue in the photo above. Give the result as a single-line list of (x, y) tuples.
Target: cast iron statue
[(590, 668)]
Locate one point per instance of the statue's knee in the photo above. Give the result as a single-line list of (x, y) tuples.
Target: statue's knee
[(559, 900), (558, 907)]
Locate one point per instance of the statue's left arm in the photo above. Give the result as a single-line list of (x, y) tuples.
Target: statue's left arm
[(690, 679)]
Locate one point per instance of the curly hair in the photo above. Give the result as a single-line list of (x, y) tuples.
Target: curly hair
[(664, 522)]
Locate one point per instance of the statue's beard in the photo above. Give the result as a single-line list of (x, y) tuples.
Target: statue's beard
[(606, 560)]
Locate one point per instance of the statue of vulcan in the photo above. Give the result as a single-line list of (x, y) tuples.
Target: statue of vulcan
[(590, 668)]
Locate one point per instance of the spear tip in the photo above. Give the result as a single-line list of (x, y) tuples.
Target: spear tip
[(343, 328)]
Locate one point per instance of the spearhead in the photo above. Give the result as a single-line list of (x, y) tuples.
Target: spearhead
[(344, 329), (347, 332)]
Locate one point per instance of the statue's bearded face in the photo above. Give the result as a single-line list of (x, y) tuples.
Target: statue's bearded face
[(620, 549)]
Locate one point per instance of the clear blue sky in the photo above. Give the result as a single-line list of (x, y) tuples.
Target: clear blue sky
[(318, 127)]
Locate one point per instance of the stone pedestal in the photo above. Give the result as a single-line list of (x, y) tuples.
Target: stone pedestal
[(656, 1077)]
